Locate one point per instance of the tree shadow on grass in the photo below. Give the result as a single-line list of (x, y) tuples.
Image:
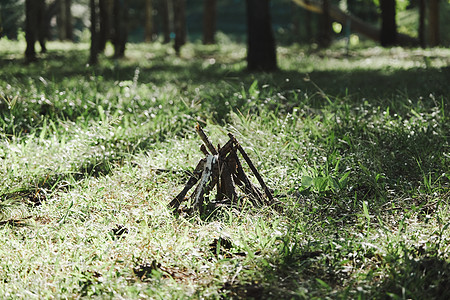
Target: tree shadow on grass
[(360, 84), (424, 277), (375, 86), (393, 154), (328, 272)]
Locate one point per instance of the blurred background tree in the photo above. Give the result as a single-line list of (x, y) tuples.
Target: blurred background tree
[(179, 21), (209, 21), (434, 32), (94, 50), (388, 34), (35, 27), (261, 53), (120, 27), (148, 21), (64, 19)]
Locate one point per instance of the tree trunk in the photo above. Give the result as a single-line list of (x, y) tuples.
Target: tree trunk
[(120, 27), (261, 52), (35, 27), (179, 15), (209, 21), (61, 20), (308, 26), (51, 11), (295, 23), (41, 24), (64, 20), (433, 22), (325, 32), (165, 16), (93, 59), (105, 12), (30, 29), (388, 34), (422, 12), (68, 25), (148, 21)]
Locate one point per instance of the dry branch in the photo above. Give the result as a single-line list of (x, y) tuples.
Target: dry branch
[(205, 139), (175, 203), (356, 24), (204, 186), (253, 168), (245, 184)]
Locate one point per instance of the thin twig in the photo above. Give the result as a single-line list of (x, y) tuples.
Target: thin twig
[(244, 183), (253, 168), (175, 203), (206, 177), (204, 150), (205, 139)]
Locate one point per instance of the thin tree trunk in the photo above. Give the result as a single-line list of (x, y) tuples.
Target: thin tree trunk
[(41, 25), (325, 34), (50, 11), (93, 59), (35, 28), (68, 25), (61, 20), (295, 23), (209, 21), (148, 21), (261, 52), (30, 30), (422, 12), (165, 15), (179, 15), (388, 34), (433, 22), (105, 12), (120, 27), (308, 26)]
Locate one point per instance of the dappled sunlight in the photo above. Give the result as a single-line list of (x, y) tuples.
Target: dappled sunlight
[(353, 146)]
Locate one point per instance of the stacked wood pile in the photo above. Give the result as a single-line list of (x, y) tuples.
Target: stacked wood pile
[(221, 169)]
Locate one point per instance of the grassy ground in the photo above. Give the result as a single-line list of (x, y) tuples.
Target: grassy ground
[(355, 146)]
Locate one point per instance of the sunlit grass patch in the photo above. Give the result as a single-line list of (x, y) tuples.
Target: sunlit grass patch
[(355, 149)]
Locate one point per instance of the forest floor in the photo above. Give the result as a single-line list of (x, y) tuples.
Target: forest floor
[(355, 146)]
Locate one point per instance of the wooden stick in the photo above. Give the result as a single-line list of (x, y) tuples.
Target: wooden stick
[(244, 183), (205, 139), (215, 173), (253, 168), (175, 203), (202, 186), (203, 149), (226, 182), (227, 148)]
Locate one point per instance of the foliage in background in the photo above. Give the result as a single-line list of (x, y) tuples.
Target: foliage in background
[(12, 16), (400, 5)]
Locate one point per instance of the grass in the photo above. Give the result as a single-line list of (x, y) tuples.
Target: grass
[(355, 146)]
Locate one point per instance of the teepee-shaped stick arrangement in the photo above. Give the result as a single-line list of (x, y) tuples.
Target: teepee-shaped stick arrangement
[(221, 167)]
